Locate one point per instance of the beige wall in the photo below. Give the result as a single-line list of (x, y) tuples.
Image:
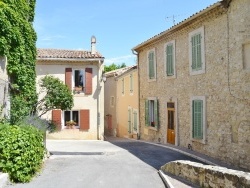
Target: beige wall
[(225, 85), (109, 109), (81, 101), (126, 101)]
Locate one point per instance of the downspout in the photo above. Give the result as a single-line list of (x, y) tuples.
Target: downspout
[(138, 75)]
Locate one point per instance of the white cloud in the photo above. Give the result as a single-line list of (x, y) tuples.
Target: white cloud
[(50, 38), (127, 59)]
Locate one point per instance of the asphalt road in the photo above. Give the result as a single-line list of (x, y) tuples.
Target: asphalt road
[(108, 164)]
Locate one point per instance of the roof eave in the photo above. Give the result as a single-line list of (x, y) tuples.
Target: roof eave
[(70, 59)]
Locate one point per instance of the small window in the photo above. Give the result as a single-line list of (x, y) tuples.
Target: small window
[(151, 113), (71, 116), (151, 65), (79, 81), (198, 118), (197, 52)]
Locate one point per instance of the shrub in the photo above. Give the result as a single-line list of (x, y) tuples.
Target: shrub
[(39, 123), (21, 151)]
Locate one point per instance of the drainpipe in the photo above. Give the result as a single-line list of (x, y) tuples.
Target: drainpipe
[(138, 72)]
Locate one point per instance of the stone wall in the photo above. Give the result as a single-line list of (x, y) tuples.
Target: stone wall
[(225, 84), (207, 175)]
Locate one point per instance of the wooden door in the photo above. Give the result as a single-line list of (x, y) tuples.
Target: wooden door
[(170, 123)]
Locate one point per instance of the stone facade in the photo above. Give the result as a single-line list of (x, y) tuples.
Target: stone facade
[(207, 175), (224, 86)]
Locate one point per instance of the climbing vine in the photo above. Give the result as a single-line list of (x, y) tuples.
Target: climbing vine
[(17, 43)]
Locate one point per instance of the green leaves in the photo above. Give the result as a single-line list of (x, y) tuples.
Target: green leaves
[(57, 95), (22, 151), (18, 44)]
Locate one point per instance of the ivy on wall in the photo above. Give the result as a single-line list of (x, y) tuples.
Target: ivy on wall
[(18, 44)]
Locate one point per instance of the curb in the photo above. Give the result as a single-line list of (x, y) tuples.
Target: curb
[(4, 179), (165, 179)]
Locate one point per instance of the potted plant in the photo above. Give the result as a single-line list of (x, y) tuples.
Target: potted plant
[(70, 124)]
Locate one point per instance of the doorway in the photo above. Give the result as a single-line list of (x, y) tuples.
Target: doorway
[(170, 123)]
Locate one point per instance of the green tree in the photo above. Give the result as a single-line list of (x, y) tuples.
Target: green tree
[(18, 44), (56, 95), (113, 66)]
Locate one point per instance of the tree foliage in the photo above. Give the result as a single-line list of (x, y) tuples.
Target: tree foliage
[(56, 95), (17, 43), (113, 66)]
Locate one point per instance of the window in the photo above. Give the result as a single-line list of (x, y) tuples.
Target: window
[(151, 113), (123, 86), (112, 101), (151, 65), (79, 81), (71, 115), (135, 120), (170, 59), (197, 52), (198, 118), (131, 83)]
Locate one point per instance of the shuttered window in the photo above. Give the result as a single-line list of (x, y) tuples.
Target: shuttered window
[(123, 86), (151, 113), (129, 120), (197, 115), (57, 119), (170, 60), (135, 120), (131, 83), (151, 65), (84, 120), (196, 52), (68, 78), (88, 80)]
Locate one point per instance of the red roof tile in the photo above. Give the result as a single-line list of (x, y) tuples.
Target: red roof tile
[(67, 54)]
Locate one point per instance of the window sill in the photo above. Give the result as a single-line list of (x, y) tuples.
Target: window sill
[(151, 80), (202, 141), (152, 128)]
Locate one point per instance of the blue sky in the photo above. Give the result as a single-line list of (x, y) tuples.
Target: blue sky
[(118, 25)]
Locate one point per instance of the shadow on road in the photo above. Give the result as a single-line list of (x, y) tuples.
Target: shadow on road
[(153, 155)]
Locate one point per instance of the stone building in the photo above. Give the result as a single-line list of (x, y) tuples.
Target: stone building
[(82, 72), (194, 83)]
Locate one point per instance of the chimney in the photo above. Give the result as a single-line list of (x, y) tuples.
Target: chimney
[(93, 42)]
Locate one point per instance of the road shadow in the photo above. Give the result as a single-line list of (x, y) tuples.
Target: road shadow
[(153, 155)]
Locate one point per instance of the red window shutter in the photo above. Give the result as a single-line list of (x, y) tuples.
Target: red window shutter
[(56, 119), (88, 80), (68, 77), (84, 119)]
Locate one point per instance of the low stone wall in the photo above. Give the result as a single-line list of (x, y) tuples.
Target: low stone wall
[(207, 175)]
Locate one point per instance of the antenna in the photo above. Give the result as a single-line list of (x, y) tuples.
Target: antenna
[(173, 18)]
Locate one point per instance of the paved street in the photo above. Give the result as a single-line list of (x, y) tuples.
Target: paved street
[(115, 163)]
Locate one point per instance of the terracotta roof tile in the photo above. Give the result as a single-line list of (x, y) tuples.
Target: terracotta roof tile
[(68, 54)]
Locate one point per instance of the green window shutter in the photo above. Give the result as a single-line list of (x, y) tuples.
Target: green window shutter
[(170, 66), (197, 119), (199, 62), (123, 86), (135, 121), (131, 83), (156, 115), (129, 121), (196, 52), (151, 65), (193, 41), (147, 112)]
